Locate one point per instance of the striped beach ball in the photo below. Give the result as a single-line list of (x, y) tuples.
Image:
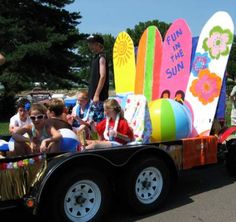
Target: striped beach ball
[(170, 120), (69, 141)]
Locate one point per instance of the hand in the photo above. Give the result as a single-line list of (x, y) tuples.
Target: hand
[(112, 133), (43, 146), (96, 99)]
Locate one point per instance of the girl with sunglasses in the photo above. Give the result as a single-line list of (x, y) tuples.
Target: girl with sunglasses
[(37, 136)]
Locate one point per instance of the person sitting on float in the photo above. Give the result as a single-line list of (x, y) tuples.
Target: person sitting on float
[(21, 118), (82, 114), (57, 120), (35, 137), (56, 114), (114, 130)]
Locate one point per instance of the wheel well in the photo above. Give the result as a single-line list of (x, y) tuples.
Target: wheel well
[(111, 172), (159, 154), (90, 162)]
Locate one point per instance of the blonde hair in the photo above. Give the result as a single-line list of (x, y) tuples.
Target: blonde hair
[(84, 92), (113, 104)]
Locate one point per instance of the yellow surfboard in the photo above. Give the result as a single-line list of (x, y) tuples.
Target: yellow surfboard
[(124, 64)]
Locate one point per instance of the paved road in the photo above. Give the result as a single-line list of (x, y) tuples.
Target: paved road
[(202, 195)]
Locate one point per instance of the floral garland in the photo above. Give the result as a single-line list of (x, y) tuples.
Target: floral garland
[(105, 134), (21, 163)]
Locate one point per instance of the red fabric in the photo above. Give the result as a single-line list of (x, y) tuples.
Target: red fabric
[(123, 128)]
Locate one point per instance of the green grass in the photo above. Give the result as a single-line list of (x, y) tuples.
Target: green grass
[(4, 128)]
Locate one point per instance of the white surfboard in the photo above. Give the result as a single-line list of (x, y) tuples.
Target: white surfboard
[(208, 67)]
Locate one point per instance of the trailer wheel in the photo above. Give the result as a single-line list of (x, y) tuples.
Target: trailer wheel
[(231, 160), (147, 184), (82, 195)]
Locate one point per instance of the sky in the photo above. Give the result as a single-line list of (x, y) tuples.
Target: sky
[(114, 16)]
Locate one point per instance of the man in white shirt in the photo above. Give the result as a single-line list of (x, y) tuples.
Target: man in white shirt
[(21, 118), (233, 110)]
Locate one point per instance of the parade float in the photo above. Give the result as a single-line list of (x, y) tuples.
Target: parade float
[(169, 91)]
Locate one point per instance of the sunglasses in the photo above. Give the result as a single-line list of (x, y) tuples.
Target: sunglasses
[(38, 117)]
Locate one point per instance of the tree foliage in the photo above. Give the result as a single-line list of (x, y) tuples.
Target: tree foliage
[(138, 30), (231, 66), (38, 38)]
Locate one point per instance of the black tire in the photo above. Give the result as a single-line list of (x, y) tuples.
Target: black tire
[(146, 185), (82, 195), (231, 160)]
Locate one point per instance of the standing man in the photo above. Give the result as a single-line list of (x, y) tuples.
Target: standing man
[(99, 76), (233, 110)]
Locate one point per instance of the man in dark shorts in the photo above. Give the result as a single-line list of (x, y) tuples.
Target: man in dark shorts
[(99, 76)]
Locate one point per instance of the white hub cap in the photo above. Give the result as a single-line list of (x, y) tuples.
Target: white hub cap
[(149, 185), (82, 201)]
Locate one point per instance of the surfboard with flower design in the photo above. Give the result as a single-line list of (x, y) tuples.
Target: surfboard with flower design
[(208, 69), (124, 64)]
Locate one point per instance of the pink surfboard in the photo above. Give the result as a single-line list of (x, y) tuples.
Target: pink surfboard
[(176, 58)]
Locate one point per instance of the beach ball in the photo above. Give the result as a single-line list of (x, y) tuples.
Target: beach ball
[(69, 141), (11, 144), (4, 145), (170, 120)]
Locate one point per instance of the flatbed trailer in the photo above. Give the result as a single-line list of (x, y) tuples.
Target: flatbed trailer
[(81, 186)]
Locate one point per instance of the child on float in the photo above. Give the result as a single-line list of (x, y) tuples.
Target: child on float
[(114, 130), (82, 114), (35, 137), (56, 114), (56, 119), (21, 118)]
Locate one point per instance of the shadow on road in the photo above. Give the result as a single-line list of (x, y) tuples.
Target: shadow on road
[(190, 183)]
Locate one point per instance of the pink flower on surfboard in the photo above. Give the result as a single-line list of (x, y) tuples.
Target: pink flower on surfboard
[(206, 87), (218, 42)]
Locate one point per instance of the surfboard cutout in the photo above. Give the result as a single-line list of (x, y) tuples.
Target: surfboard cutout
[(208, 69), (148, 63), (124, 64), (176, 59)]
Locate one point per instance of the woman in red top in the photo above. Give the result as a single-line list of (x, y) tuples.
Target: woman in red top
[(114, 130)]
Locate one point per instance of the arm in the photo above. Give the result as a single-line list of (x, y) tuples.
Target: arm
[(55, 137), (126, 134), (82, 122), (13, 129), (121, 136), (13, 125), (101, 82), (18, 135)]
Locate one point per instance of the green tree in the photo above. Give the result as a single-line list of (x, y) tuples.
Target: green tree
[(138, 30), (231, 66), (38, 38)]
